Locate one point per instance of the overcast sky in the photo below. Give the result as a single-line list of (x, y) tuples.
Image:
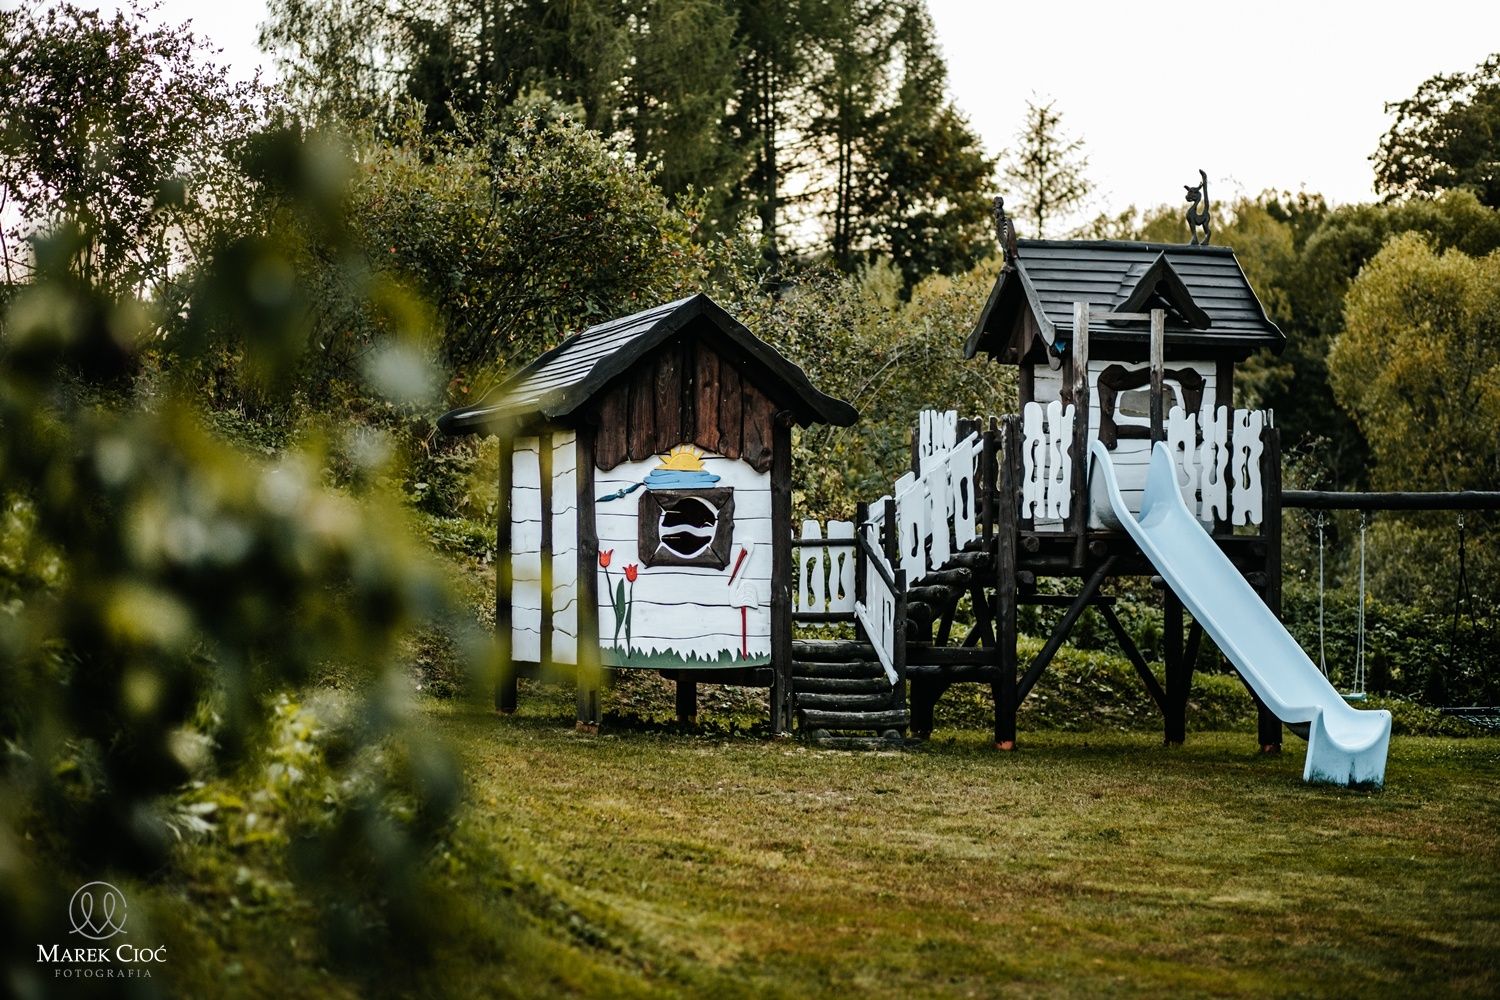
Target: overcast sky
[(1270, 94)]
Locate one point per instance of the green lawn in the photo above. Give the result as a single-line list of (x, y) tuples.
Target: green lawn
[(645, 862), (1083, 864)]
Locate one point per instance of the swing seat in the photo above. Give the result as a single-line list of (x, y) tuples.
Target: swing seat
[(1354, 696)]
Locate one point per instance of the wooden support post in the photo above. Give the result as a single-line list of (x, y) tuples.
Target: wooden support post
[(1133, 654), (1079, 502), (505, 666), (1060, 633), (589, 671), (1268, 726), (898, 644), (781, 574), (1005, 690), (861, 515), (892, 537), (987, 446), (1158, 374), (687, 700), (1226, 396), (1178, 678)]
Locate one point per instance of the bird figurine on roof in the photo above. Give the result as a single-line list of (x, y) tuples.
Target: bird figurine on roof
[(1005, 233)]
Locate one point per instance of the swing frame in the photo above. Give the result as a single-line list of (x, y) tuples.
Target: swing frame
[(1367, 503)]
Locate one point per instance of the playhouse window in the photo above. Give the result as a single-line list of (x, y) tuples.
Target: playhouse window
[(1133, 406), (687, 527)]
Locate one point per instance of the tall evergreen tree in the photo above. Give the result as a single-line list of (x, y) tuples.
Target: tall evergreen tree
[(683, 76), (1047, 168), (785, 110), (926, 200)]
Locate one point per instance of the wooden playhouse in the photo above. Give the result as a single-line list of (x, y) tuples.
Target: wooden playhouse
[(645, 480), (646, 510)]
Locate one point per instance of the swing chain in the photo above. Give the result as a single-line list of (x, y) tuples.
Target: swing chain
[(1359, 649), (1322, 650)]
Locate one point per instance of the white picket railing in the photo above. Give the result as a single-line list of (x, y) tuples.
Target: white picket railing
[(1229, 446), (882, 582), (1046, 460), (824, 569), (937, 507)]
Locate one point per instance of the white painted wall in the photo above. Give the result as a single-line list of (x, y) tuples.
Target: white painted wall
[(1132, 456), (525, 549), (688, 609), (565, 548), (526, 545)]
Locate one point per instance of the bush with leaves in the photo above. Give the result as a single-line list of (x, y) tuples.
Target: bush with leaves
[(122, 128), (161, 588), (857, 340)]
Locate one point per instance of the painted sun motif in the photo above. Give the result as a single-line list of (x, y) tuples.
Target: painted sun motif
[(683, 458), (681, 469)]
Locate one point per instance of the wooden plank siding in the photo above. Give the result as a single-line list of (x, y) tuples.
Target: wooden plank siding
[(686, 392)]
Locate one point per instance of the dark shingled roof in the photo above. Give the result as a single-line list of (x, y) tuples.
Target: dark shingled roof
[(1050, 275), (556, 384)]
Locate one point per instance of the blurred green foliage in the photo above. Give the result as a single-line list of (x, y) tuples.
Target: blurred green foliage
[(162, 589)]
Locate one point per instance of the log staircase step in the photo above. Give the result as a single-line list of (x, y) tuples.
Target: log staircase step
[(828, 702), (853, 668), (959, 576), (894, 718), (831, 650), (977, 560), (818, 683)]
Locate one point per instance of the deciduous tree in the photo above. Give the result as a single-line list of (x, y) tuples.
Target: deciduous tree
[(1446, 137), (1418, 366), (122, 129)]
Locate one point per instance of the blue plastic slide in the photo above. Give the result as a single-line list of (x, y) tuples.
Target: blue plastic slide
[(1344, 745)]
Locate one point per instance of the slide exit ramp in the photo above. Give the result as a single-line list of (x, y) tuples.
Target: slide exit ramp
[(1344, 745)]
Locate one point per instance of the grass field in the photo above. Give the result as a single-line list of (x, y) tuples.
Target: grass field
[(1083, 864), (645, 862)]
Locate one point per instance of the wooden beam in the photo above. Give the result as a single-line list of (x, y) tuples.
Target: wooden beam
[(589, 671), (1064, 627), (1005, 689), (781, 574), (546, 445), (987, 445), (1268, 726), (1175, 716), (687, 700), (1079, 502), (919, 653), (1158, 374), (1133, 654), (1331, 500)]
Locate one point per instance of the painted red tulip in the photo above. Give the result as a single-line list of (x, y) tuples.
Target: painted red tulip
[(631, 572), (604, 558)]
